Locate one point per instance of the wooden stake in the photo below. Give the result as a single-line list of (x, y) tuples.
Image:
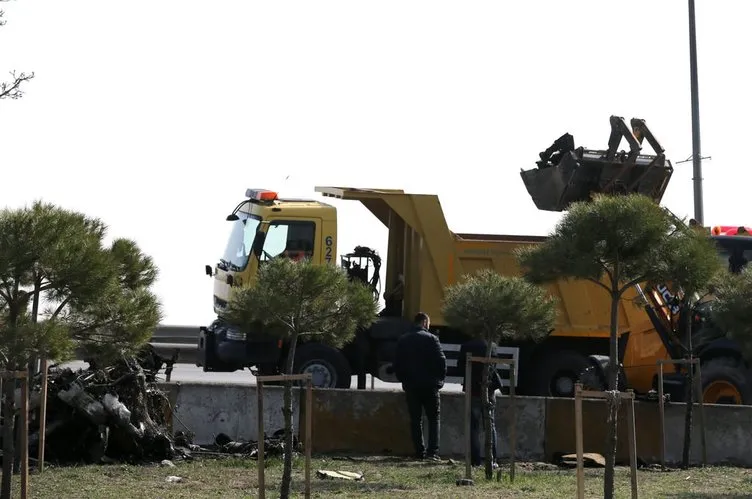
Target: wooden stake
[(661, 416), (260, 452), (632, 443), (512, 423), (698, 385), (308, 439), (24, 437), (2, 409), (579, 394), (578, 440), (43, 415), (260, 380), (468, 444), (7, 484)]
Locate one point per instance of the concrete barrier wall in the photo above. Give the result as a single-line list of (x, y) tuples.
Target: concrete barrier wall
[(728, 431), (376, 422), (560, 432), (728, 434), (207, 409)]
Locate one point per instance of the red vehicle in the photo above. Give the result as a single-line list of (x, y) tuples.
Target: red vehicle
[(731, 230)]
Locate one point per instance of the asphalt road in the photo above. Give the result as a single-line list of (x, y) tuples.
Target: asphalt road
[(191, 373)]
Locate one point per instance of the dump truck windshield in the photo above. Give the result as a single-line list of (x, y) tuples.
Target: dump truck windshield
[(241, 241)]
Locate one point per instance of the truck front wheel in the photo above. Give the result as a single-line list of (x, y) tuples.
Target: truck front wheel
[(724, 381), (327, 366)]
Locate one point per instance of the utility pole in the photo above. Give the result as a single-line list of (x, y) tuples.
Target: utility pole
[(696, 156)]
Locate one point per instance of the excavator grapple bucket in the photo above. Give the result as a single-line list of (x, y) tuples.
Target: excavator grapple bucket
[(566, 174)]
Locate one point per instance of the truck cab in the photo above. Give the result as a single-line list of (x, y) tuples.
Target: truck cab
[(262, 227)]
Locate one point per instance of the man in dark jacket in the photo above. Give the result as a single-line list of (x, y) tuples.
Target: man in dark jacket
[(420, 365), (477, 347)]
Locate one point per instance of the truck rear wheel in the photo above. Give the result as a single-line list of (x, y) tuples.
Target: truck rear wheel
[(556, 372), (724, 381), (327, 366)]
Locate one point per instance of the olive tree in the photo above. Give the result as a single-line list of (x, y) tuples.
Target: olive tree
[(615, 242), (56, 269), (291, 300), (691, 265), (495, 308), (61, 288)]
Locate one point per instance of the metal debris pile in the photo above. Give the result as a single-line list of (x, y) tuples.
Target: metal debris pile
[(118, 413), (274, 446), (103, 414)]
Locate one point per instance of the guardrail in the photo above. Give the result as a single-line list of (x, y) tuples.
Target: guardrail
[(166, 339), (184, 335)]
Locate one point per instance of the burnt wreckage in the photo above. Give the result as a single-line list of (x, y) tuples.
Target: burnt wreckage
[(116, 413)]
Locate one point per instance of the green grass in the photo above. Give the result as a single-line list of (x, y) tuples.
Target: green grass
[(383, 477)]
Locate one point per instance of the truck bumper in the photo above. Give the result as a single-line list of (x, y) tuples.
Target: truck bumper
[(222, 348)]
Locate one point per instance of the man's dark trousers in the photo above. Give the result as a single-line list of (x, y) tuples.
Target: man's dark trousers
[(477, 418), (426, 399)]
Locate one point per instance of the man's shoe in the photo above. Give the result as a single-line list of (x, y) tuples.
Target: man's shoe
[(494, 465), (433, 457)]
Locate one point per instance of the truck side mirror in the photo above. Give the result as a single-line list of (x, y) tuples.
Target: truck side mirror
[(209, 270), (258, 243)]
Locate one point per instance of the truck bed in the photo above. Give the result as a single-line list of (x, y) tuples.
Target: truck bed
[(430, 257)]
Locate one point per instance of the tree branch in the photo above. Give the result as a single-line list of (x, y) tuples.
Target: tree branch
[(607, 270), (599, 283), (326, 317), (284, 321), (11, 89), (8, 291), (94, 326), (630, 284), (60, 307)]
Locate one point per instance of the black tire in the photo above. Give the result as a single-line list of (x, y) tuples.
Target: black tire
[(556, 372), (592, 378), (596, 379), (329, 367), (725, 381)]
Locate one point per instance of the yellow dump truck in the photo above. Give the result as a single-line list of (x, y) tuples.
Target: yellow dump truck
[(423, 257)]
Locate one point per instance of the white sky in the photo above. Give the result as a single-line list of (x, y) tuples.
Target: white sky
[(156, 115)]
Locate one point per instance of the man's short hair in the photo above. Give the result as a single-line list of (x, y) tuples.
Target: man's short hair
[(420, 317)]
